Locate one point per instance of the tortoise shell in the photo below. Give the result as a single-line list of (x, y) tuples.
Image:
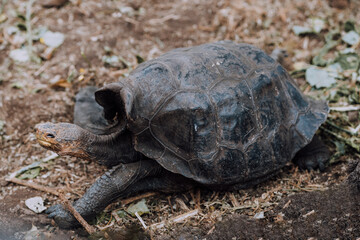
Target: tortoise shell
[(219, 113)]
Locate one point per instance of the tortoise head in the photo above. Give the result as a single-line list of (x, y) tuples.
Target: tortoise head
[(63, 138)]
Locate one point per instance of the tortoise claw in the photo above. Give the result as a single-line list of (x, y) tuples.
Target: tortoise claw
[(63, 218)]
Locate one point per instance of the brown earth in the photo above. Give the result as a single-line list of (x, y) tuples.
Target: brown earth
[(31, 93)]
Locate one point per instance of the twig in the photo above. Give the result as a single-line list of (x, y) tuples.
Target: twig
[(58, 193), (3, 2), (42, 69), (33, 185), (328, 121), (182, 205), (90, 229), (345, 108), (198, 198), (233, 200), (133, 199), (345, 140), (141, 220), (267, 204), (176, 219), (117, 218)]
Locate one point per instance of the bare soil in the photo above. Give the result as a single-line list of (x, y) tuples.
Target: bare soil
[(296, 205)]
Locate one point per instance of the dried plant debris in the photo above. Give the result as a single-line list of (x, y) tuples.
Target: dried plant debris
[(337, 79), (40, 74)]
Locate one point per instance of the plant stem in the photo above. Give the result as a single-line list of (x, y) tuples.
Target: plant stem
[(28, 26)]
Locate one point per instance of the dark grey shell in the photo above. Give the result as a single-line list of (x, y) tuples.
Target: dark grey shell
[(219, 113)]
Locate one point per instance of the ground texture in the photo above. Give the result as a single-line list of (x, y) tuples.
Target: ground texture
[(292, 205)]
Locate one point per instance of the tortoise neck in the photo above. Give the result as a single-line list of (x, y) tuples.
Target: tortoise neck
[(111, 149)]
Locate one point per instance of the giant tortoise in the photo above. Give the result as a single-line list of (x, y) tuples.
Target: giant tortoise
[(220, 115)]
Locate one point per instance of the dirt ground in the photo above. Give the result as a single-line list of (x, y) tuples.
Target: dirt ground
[(294, 204)]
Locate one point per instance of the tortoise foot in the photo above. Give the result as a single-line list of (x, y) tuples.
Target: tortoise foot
[(314, 155), (62, 217)]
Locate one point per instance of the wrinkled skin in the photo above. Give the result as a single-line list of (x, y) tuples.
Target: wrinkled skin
[(120, 133)]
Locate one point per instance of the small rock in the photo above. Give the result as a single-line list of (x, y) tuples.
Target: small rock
[(36, 204), (259, 215)]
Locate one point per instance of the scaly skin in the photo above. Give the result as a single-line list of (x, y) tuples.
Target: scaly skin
[(133, 173), (63, 138), (110, 186)]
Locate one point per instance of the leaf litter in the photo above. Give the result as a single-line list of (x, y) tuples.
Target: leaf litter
[(244, 22)]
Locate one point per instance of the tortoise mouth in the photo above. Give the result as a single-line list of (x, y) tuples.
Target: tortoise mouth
[(46, 138), (47, 144), (44, 143)]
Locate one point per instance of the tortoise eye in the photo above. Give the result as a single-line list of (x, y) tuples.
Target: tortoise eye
[(49, 135)]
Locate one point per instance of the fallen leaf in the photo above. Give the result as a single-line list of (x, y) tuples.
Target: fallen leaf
[(30, 174), (300, 30), (61, 83), (112, 61), (351, 38), (121, 213), (2, 125), (3, 18), (319, 78), (317, 24), (348, 61), (52, 39), (319, 60), (349, 26), (140, 207), (139, 59), (17, 85), (20, 55)]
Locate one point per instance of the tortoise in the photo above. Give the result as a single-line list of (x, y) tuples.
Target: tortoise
[(221, 115)]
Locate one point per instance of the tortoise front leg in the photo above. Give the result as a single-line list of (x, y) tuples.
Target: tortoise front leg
[(110, 186)]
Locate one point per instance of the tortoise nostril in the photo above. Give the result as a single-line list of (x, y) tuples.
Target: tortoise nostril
[(49, 135)]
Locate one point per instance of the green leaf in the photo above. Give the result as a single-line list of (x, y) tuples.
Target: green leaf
[(349, 26), (121, 213), (21, 16), (30, 174), (348, 61), (139, 59), (2, 125), (340, 147), (331, 41), (21, 26)]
